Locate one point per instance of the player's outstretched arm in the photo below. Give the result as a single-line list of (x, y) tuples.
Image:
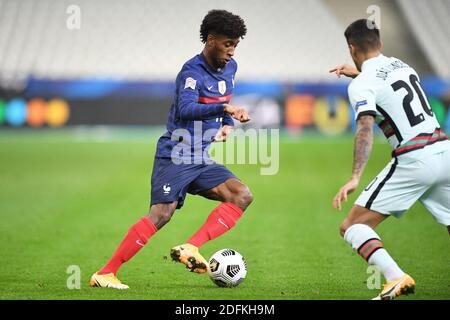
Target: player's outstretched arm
[(237, 113), (362, 150), (345, 70)]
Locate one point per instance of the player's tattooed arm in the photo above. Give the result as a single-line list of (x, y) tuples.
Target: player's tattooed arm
[(363, 148), (363, 144)]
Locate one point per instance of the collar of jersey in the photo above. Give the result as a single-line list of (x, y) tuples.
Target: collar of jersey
[(202, 58), (371, 62)]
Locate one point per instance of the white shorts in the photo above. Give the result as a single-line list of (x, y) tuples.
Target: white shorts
[(401, 183)]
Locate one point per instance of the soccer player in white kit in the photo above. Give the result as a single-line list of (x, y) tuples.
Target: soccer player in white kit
[(387, 91)]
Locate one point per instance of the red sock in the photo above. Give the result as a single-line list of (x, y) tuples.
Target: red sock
[(135, 239), (219, 221)]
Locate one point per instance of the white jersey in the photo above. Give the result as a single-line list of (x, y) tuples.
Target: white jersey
[(389, 89)]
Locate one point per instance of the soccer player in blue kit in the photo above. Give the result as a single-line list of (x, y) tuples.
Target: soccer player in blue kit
[(200, 114)]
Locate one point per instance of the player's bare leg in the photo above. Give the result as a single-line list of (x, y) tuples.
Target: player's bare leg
[(161, 213), (235, 198), (358, 231), (231, 191), (362, 215)]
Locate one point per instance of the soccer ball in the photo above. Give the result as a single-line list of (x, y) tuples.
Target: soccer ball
[(227, 268)]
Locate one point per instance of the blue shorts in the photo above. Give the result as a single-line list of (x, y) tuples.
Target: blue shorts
[(171, 182)]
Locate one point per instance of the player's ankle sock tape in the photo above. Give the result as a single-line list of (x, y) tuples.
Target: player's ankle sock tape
[(363, 240), (219, 221), (367, 243)]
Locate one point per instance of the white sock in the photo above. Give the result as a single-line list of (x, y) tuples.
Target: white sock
[(367, 243)]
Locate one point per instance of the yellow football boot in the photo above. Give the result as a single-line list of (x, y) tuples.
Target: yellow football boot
[(108, 280), (188, 255), (391, 290)]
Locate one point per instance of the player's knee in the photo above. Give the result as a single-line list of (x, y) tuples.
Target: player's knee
[(164, 217), (245, 197), (242, 197), (343, 228), (160, 217)]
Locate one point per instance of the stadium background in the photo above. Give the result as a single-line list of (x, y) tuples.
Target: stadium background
[(81, 107)]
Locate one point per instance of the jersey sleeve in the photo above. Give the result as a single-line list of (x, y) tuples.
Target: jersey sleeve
[(189, 86), (362, 100)]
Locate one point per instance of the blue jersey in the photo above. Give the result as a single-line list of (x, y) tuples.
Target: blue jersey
[(197, 111)]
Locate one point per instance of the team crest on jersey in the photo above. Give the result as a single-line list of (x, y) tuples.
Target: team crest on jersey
[(166, 188), (222, 87), (190, 83)]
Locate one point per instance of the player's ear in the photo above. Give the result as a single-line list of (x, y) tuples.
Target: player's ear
[(352, 49), (210, 40)]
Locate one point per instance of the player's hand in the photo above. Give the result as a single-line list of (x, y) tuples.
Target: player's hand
[(345, 70), (237, 113), (223, 133), (343, 193)]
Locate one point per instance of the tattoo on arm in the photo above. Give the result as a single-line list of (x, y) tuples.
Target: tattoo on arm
[(363, 144)]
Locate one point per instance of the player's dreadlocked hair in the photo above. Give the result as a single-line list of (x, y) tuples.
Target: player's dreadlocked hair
[(363, 34), (224, 23)]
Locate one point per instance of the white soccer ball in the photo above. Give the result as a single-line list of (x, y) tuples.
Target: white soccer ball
[(227, 268)]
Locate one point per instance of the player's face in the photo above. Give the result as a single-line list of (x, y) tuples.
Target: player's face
[(223, 50)]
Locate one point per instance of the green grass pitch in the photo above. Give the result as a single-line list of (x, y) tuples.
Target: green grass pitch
[(68, 200)]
